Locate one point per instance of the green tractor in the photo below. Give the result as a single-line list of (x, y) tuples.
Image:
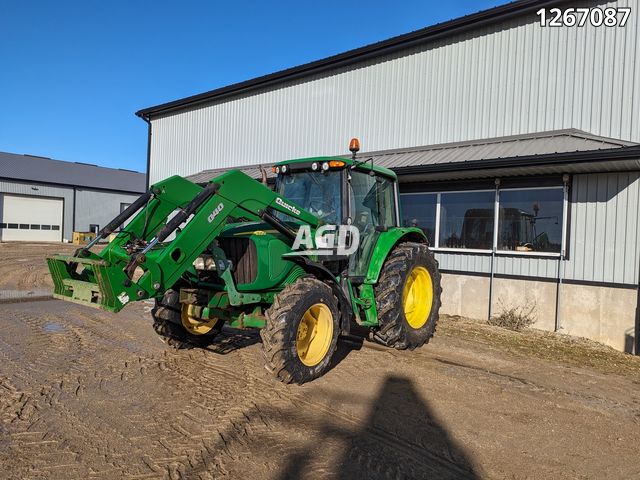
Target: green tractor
[(305, 263)]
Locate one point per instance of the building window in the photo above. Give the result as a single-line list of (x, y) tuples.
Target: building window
[(35, 226), (45, 227), (24, 226), (419, 210), (94, 228), (55, 227), (530, 220), (467, 220)]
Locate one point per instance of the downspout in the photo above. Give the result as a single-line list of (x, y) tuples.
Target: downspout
[(496, 212), (636, 334), (73, 221), (565, 212), (148, 120)]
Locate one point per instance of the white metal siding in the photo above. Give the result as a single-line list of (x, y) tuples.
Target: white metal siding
[(65, 193), (99, 208), (464, 262), (516, 265), (92, 206), (604, 235), (511, 78)]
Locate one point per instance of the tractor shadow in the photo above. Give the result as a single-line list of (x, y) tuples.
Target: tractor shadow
[(399, 437), (231, 339)]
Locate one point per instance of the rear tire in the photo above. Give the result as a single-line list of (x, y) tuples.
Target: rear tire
[(408, 297), (301, 331), (167, 323)]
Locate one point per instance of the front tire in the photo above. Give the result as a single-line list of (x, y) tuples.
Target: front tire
[(408, 297), (301, 331), (176, 325)]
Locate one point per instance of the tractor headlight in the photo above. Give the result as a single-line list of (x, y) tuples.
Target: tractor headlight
[(277, 170), (284, 169), (325, 166), (314, 166), (204, 262)]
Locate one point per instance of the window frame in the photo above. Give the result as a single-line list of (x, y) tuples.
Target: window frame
[(562, 228), (564, 221)]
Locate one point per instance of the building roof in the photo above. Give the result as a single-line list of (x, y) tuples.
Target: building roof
[(514, 146), (252, 170), (46, 170), (558, 151), (444, 29)]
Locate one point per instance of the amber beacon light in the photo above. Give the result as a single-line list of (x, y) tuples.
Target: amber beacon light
[(354, 147)]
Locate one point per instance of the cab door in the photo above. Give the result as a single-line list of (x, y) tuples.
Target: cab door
[(372, 210)]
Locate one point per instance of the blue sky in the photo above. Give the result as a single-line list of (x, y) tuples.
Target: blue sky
[(72, 73)]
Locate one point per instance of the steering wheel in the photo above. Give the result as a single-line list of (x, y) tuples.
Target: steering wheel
[(320, 211), (363, 221)]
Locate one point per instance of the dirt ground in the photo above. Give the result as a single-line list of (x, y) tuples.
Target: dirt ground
[(23, 265), (89, 394)]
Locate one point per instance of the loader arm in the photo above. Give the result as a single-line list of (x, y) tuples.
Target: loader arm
[(152, 252)]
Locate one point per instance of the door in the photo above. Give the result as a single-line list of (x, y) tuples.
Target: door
[(31, 219), (372, 210)]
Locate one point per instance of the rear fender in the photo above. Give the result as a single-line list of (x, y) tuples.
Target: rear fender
[(385, 244)]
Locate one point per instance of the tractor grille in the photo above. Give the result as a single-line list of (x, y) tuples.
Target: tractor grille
[(242, 252)]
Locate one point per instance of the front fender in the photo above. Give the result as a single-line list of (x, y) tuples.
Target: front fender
[(386, 243)]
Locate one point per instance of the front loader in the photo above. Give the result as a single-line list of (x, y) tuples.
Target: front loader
[(230, 252)]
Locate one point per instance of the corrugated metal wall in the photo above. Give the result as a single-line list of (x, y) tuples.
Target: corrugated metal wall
[(45, 191), (603, 243), (505, 264), (511, 78), (98, 207), (604, 238), (92, 206)]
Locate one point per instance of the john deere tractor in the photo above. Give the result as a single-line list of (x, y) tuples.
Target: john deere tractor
[(223, 253)]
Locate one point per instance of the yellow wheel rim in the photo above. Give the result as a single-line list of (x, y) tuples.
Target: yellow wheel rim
[(194, 324), (315, 333), (417, 297)]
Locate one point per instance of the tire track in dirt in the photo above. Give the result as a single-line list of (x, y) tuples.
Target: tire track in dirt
[(102, 397), (230, 431), (381, 459)]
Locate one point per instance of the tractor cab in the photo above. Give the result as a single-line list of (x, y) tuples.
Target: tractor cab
[(344, 191)]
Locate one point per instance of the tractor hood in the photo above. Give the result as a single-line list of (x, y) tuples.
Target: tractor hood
[(248, 229)]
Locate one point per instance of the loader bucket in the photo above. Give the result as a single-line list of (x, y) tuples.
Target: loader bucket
[(87, 281)]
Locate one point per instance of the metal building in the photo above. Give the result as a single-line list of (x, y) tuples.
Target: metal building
[(45, 200), (516, 146)]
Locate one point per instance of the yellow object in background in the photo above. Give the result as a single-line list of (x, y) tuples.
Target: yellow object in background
[(82, 238)]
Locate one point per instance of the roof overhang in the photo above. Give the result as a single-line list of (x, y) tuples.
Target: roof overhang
[(542, 153), (592, 161)]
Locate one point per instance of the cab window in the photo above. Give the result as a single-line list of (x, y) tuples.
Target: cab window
[(372, 201)]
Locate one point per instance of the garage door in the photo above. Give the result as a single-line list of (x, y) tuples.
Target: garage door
[(32, 219)]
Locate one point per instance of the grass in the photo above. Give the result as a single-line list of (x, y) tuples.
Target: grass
[(544, 345)]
